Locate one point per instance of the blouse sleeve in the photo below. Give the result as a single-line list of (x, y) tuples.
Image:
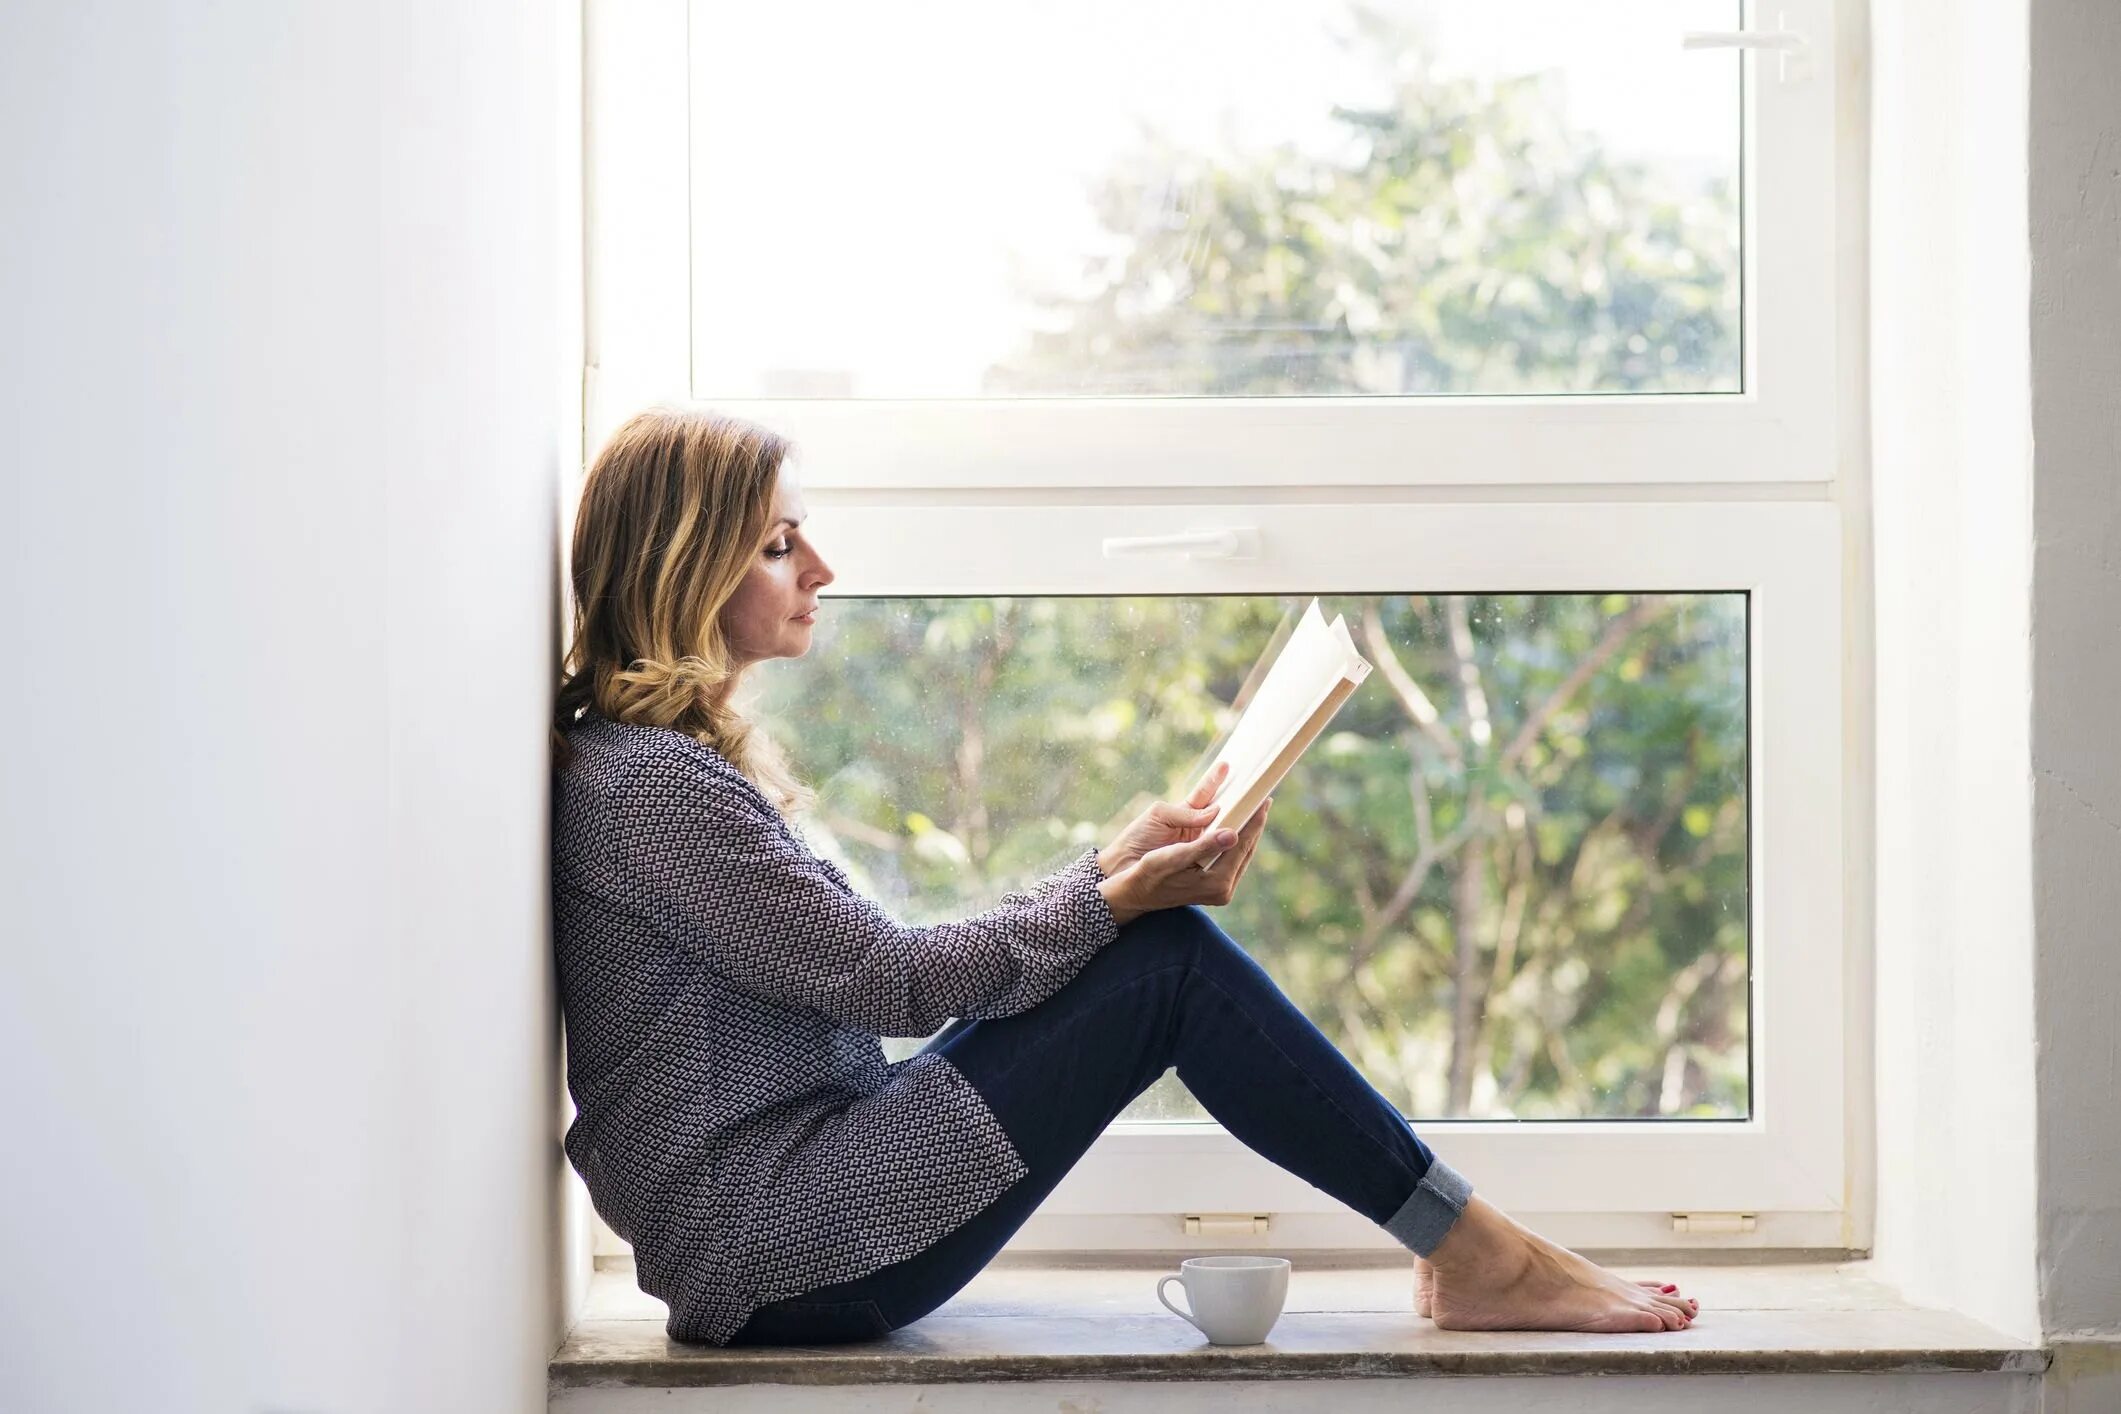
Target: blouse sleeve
[(721, 872)]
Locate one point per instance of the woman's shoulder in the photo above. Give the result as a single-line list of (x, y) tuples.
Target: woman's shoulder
[(651, 759), (608, 739)]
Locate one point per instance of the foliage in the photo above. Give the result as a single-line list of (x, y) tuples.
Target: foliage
[(1532, 906), (1466, 240)]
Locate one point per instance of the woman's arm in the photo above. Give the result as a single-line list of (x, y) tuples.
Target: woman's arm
[(711, 861)]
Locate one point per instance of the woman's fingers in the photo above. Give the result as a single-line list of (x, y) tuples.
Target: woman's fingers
[(1247, 840), (1177, 871), (1255, 825), (1180, 817), (1215, 841), (1192, 854), (1221, 877), (1205, 791)]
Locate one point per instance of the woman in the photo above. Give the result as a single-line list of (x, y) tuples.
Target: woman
[(725, 988)]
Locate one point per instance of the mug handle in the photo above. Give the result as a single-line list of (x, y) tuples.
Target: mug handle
[(1173, 1309)]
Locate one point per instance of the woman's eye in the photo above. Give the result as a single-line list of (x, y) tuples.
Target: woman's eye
[(777, 551)]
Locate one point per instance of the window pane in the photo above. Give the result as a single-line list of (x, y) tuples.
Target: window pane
[(1205, 198), (1509, 881)]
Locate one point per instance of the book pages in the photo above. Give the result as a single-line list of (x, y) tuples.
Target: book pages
[(1316, 670)]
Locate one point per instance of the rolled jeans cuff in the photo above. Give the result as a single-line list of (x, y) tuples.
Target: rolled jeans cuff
[(1428, 1213)]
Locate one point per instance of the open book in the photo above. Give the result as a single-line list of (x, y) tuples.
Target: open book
[(1313, 673)]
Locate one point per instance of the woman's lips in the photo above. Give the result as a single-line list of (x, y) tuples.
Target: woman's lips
[(809, 618)]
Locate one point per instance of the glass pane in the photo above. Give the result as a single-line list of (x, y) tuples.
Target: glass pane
[(966, 199), (1532, 907)]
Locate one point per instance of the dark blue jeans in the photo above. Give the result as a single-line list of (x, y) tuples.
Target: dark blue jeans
[(1171, 989)]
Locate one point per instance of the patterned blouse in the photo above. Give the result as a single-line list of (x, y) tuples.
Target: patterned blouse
[(724, 989)]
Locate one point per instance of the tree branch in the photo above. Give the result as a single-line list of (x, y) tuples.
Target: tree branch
[(1616, 635), (1418, 707)]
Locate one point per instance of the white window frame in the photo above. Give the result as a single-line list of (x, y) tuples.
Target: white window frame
[(1784, 1163), (968, 497)]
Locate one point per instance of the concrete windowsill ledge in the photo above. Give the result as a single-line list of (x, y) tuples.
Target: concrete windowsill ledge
[(1024, 1321)]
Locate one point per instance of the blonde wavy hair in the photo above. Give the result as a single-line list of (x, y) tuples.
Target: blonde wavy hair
[(672, 511)]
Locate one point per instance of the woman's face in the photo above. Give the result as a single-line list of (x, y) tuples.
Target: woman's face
[(765, 618)]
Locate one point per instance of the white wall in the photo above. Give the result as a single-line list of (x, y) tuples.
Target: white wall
[(2075, 207), (1996, 286), (1951, 465), (279, 413)]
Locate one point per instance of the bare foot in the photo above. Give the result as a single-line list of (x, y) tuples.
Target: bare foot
[(1492, 1273), (1425, 1287)]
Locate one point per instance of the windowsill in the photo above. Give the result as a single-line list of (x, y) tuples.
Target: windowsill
[(1033, 1322)]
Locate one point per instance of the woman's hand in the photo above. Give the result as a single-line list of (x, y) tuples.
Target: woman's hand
[(1171, 876), (1163, 823)]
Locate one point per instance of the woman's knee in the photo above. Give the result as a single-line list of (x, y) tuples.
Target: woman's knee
[(1192, 934), (1188, 932)]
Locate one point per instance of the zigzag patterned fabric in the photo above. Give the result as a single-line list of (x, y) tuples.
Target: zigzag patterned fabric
[(724, 989)]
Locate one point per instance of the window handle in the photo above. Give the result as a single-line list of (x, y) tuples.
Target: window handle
[(1240, 542), (1792, 50)]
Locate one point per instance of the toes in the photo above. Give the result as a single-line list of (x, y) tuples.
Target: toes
[(1668, 1294), (1671, 1311)]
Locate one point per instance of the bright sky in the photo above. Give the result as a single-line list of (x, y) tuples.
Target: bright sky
[(882, 164)]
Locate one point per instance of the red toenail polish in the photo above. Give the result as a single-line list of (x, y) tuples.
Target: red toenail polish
[(1671, 1288)]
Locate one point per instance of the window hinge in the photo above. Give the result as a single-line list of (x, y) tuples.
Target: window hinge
[(1724, 1224), (1226, 1224), (1793, 52)]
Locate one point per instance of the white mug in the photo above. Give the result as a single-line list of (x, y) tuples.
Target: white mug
[(1235, 1300)]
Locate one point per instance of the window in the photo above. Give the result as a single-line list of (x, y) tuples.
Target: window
[(1423, 296), (1510, 882), (1193, 197)]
